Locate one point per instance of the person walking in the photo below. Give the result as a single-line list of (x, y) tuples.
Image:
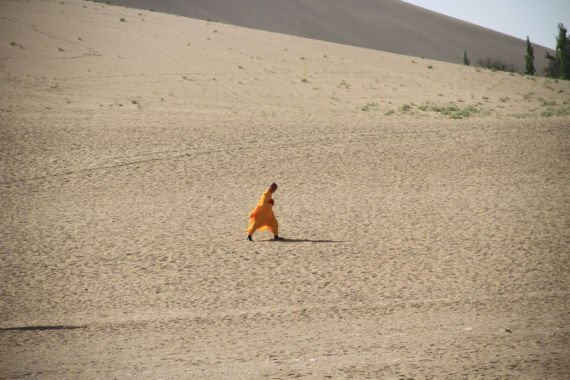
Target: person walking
[(262, 217)]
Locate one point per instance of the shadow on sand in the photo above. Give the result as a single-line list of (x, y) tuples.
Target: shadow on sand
[(41, 328), (288, 240)]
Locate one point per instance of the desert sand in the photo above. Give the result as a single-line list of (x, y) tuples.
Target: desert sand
[(425, 206)]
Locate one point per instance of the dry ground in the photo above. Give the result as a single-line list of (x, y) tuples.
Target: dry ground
[(418, 244)]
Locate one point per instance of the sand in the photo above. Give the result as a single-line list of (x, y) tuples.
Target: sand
[(418, 244)]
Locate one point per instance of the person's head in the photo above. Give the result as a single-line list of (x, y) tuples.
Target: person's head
[(273, 187)]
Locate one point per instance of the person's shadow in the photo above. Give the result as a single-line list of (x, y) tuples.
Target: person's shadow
[(289, 240)]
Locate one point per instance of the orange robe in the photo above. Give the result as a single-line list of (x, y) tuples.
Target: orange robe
[(262, 217)]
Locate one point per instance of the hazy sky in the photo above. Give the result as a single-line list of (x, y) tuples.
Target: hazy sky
[(518, 18)]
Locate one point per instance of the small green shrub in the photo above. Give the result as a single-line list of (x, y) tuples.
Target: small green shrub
[(344, 84), (367, 106)]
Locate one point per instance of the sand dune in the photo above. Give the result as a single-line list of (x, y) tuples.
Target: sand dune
[(387, 25), (425, 205)]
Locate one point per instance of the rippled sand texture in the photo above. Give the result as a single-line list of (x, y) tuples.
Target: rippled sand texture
[(131, 153)]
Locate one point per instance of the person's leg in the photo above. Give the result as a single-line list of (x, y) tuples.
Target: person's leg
[(253, 226), (275, 230)]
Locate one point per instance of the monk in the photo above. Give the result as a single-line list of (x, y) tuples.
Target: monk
[(262, 217)]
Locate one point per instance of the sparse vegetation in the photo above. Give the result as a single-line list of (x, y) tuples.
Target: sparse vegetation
[(549, 112), (496, 65), (545, 103), (450, 110), (367, 106), (123, 20), (344, 84), (430, 67), (304, 80), (13, 43), (547, 85)]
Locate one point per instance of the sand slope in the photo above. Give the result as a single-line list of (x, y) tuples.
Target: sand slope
[(388, 25), (132, 151)]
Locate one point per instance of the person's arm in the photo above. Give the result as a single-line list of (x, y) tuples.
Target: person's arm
[(265, 199)]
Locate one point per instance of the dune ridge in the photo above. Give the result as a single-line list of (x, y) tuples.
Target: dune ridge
[(389, 25), (425, 205)]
